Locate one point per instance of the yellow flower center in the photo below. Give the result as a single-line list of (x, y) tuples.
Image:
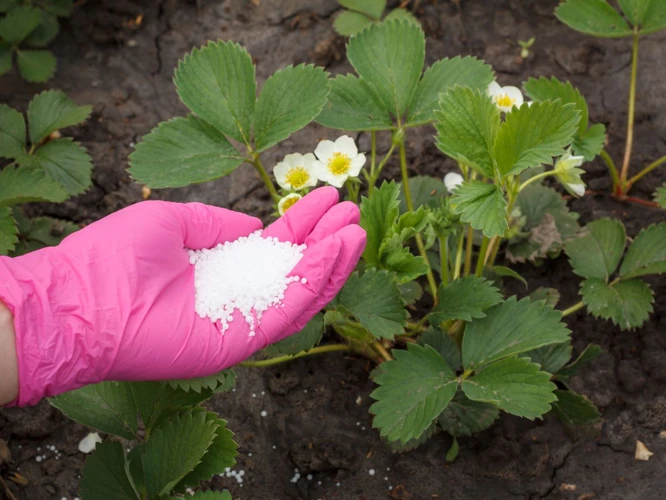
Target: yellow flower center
[(504, 100), (288, 203), (297, 177), (339, 164)]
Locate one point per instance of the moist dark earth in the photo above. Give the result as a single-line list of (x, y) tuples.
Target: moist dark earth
[(317, 408)]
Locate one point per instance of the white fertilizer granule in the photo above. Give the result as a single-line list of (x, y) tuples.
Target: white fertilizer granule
[(249, 274)]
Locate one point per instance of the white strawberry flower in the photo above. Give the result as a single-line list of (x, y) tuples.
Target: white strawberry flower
[(505, 98), (452, 180), (296, 172), (338, 161), (287, 202), (568, 173)]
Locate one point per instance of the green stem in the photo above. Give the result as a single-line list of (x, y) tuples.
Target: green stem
[(468, 250), (630, 119), (645, 171), (282, 359), (373, 150), (611, 168), (459, 253), (535, 178), (410, 207), (573, 309), (352, 189), (381, 350), (375, 173), (481, 260), (444, 259), (264, 177)]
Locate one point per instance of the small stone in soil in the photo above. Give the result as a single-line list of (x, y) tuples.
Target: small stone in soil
[(264, 413)]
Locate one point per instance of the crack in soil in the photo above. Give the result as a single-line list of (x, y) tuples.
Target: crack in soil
[(161, 18)]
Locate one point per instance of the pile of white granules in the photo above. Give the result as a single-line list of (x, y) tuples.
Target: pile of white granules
[(249, 274)]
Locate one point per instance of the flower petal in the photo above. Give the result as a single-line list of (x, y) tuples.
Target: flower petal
[(280, 172), (577, 189), (294, 159), (493, 89), (356, 165), (346, 146), (515, 94), (337, 180), (325, 150), (452, 180)]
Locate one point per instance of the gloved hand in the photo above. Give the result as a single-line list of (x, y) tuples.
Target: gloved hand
[(115, 301)]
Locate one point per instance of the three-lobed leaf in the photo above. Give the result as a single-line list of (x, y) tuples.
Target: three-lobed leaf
[(465, 299), (413, 390), (483, 206), (627, 304), (217, 83), (647, 253), (510, 328), (598, 250), (593, 17), (514, 385), (467, 123), (375, 300), (290, 99), (532, 135), (106, 474), (389, 56), (441, 76), (183, 151), (52, 110)]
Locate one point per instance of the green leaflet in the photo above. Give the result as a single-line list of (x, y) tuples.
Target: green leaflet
[(511, 328), (378, 214), (389, 57), (514, 385), (52, 110), (594, 17), (8, 231), (647, 253), (304, 340), (182, 151), (465, 299), (598, 250), (467, 123), (413, 390), (106, 474), (483, 206), (12, 132), (627, 304)]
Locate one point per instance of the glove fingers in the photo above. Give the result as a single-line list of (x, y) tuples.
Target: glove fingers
[(353, 240), (204, 226), (316, 267), (300, 220), (341, 215)]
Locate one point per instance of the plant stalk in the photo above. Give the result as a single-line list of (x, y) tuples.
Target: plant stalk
[(611, 168), (630, 119), (645, 171), (375, 172), (537, 177), (382, 351), (410, 206), (469, 250), (573, 309), (459, 252), (264, 177), (282, 359), (483, 252), (444, 259)]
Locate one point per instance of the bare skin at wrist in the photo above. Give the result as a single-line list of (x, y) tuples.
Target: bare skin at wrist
[(9, 382)]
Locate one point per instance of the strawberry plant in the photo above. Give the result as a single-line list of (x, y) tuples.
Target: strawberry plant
[(635, 19), (470, 352), (43, 166), (26, 28), (164, 443)]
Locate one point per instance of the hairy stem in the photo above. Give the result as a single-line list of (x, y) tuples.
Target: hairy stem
[(630, 118), (611, 168), (573, 309), (410, 207), (444, 259), (375, 172), (645, 171), (481, 260), (469, 250), (282, 359), (535, 178), (459, 253), (382, 351), (264, 177)]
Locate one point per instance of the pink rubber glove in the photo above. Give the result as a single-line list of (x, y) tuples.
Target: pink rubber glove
[(115, 301)]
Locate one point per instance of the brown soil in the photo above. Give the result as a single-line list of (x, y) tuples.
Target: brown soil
[(317, 408)]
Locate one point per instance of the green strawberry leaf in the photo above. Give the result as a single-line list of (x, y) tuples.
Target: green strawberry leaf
[(597, 251), (465, 299), (627, 304)]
